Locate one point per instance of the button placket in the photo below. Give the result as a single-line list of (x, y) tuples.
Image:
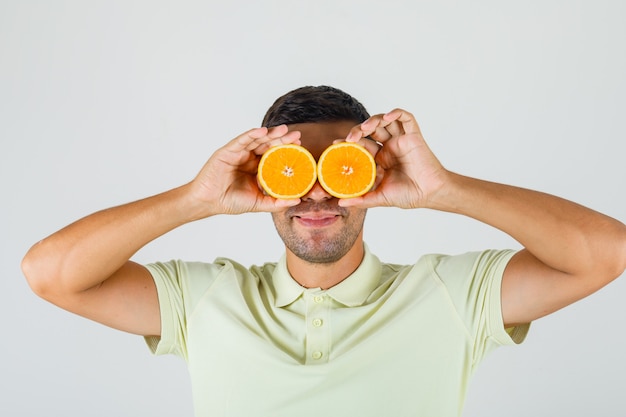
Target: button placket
[(317, 329)]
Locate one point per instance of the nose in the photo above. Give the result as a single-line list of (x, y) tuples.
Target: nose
[(317, 193)]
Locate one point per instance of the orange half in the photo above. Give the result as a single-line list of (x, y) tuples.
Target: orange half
[(287, 171), (346, 170)]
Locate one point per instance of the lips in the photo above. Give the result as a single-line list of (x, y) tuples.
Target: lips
[(316, 214), (316, 221)]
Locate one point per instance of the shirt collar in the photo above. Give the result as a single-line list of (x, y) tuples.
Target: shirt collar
[(352, 291)]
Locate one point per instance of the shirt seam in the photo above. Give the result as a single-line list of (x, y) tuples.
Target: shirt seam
[(437, 279)]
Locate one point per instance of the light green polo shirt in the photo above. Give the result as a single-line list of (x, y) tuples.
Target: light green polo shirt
[(390, 340)]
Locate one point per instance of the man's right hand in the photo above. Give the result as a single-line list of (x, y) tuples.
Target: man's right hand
[(227, 183)]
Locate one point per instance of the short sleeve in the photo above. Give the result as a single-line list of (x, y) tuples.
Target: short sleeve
[(179, 286), (473, 281)]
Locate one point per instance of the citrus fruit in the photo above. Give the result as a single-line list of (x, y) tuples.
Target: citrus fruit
[(346, 170), (287, 171)]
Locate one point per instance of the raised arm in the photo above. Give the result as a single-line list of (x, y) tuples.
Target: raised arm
[(85, 267), (569, 251)]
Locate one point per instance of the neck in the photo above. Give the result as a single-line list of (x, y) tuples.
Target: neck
[(325, 275)]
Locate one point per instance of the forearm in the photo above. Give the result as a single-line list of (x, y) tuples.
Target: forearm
[(85, 253), (562, 234)]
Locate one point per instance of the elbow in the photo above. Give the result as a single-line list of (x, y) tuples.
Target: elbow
[(621, 265), (615, 264), (29, 270), (38, 276), (605, 259)]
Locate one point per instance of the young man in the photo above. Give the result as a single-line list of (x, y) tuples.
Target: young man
[(330, 329)]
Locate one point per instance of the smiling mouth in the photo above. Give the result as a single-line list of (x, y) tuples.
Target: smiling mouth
[(316, 220), (318, 214)]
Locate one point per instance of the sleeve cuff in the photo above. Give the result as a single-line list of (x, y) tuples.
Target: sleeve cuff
[(163, 344), (510, 335)]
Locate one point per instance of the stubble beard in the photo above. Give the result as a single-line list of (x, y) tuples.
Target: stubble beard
[(318, 246)]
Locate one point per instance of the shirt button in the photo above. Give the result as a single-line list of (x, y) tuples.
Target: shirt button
[(317, 322), (317, 355), (318, 299)]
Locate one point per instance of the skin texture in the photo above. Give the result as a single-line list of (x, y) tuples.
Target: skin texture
[(569, 252)]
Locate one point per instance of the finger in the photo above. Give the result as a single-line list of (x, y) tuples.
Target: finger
[(381, 134), (275, 136), (371, 145), (369, 200), (291, 137), (406, 119), (271, 204), (368, 143), (270, 134), (378, 128), (277, 131), (375, 122), (242, 141), (355, 134), (364, 129), (395, 128)]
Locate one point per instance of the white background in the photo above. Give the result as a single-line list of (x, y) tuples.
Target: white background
[(105, 102)]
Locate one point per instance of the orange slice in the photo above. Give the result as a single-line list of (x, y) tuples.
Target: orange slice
[(287, 171), (346, 170)]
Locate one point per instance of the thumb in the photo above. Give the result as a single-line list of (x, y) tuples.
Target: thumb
[(271, 204), (371, 199)]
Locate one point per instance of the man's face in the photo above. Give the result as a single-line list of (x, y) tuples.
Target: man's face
[(317, 230)]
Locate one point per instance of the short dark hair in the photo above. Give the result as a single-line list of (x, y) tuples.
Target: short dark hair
[(315, 104)]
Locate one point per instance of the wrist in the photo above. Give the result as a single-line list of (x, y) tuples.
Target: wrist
[(447, 195), (190, 204)]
